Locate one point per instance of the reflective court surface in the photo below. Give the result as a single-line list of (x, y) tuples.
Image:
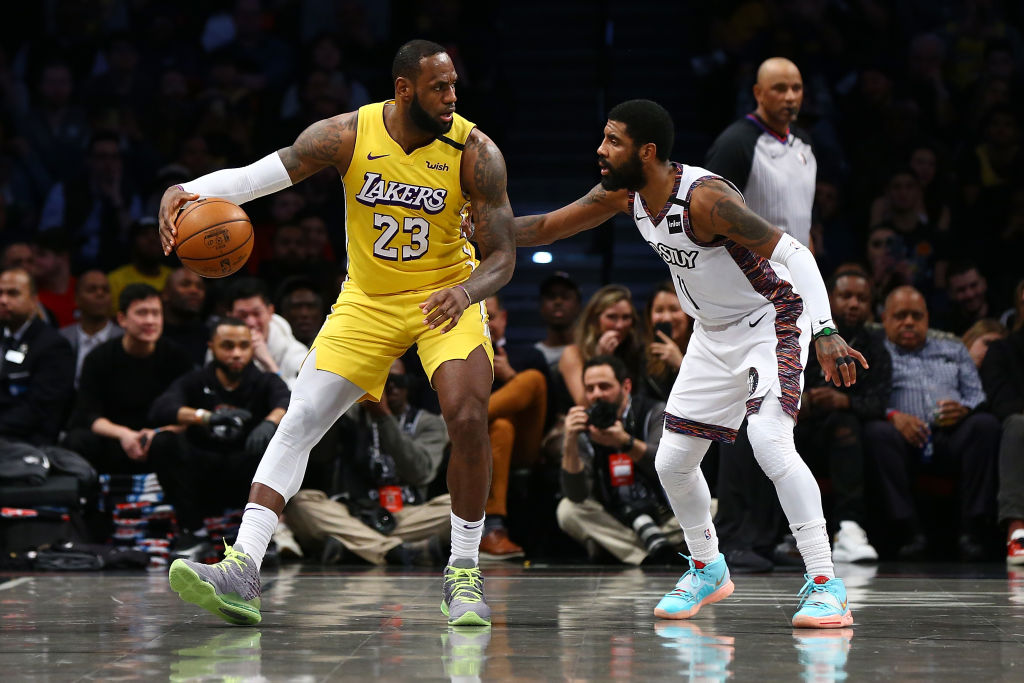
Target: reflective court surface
[(550, 623)]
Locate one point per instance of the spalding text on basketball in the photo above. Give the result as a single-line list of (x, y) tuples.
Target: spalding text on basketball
[(376, 190)]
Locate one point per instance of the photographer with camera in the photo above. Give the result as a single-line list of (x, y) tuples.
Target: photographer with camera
[(392, 452), (230, 409), (612, 495)]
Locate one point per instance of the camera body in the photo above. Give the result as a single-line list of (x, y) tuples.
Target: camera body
[(602, 414)]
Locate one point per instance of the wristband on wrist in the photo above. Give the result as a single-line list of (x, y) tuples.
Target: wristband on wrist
[(889, 414), (203, 416), (466, 292), (824, 332)]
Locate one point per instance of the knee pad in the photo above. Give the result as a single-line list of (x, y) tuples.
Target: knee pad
[(770, 431), (679, 455)]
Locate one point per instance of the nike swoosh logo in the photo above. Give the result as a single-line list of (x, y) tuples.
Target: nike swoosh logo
[(466, 526), (754, 324), (822, 322), (370, 157)]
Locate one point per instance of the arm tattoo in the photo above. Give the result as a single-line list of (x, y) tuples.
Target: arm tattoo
[(492, 215), (319, 145), (731, 218), (598, 195)]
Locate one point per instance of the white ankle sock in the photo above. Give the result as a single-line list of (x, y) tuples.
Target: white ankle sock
[(702, 540), (258, 524), (812, 542), (466, 538)]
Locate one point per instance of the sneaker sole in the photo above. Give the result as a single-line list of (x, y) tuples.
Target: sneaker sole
[(720, 594), (807, 621), (1015, 560), (507, 556), (469, 618), (191, 588)]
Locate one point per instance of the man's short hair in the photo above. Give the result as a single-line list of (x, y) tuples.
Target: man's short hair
[(559, 277), (408, 57), (614, 362), (246, 288), (647, 121), (226, 320), (848, 271), (292, 284), (960, 268), (55, 240), (136, 291), (32, 288)]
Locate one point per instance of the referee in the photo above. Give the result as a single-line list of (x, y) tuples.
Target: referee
[(773, 164)]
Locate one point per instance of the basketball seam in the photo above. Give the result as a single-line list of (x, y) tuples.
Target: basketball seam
[(203, 201), (215, 225), (219, 256)]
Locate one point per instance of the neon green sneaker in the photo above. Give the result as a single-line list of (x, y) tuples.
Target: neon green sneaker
[(462, 595), (229, 589)]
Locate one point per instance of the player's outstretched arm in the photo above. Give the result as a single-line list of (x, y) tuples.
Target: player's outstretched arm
[(325, 143), (717, 210), (589, 211), (484, 179)]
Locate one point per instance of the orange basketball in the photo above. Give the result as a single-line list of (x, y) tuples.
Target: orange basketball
[(214, 237)]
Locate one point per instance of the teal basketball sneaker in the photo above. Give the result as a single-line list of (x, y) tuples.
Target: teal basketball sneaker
[(229, 589), (699, 586), (823, 604)]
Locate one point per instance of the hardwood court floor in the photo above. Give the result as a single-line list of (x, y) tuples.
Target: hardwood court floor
[(913, 622)]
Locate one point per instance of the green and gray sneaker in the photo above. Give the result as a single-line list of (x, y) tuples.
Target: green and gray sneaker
[(229, 589), (462, 595)]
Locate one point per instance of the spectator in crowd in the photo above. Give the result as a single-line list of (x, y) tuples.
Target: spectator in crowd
[(302, 307), (980, 336), (668, 332), (1013, 318), (94, 326), (96, 208), (934, 421), (274, 348), (55, 127), (830, 430), (184, 297), (19, 255), (318, 239), (383, 513), (52, 266), (607, 326), (230, 410), (968, 295), (888, 267), (146, 264), (560, 302), (613, 499), (516, 414), (1002, 375), (36, 369), (120, 380), (289, 256)]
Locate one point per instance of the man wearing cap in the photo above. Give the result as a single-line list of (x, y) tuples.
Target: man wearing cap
[(560, 302)]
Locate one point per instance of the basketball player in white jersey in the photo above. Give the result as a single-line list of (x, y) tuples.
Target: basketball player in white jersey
[(758, 301)]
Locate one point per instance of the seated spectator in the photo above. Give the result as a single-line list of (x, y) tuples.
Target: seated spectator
[(930, 199), (1002, 375), (97, 207), (383, 514), (22, 255), (184, 297), (608, 326), (980, 336), (933, 423), (830, 430), (94, 326), (559, 306), (967, 290), (516, 414), (36, 370), (230, 411), (302, 307), (888, 267), (120, 380), (53, 275), (274, 348), (668, 333), (613, 498), (1013, 318), (146, 264)]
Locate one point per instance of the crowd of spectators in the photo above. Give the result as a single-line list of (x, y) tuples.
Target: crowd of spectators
[(915, 117)]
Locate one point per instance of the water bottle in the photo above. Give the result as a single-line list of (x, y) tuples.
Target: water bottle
[(928, 450)]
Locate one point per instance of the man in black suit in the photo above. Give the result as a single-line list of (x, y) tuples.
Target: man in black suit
[(37, 370)]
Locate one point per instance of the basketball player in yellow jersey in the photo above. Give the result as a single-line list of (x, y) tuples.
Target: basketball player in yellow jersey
[(409, 167)]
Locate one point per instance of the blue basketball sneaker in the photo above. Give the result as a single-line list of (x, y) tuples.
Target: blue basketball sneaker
[(699, 586), (823, 604)]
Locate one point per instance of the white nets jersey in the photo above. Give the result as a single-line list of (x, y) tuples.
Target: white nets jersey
[(719, 282)]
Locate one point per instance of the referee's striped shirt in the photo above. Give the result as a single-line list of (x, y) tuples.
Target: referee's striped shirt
[(775, 173)]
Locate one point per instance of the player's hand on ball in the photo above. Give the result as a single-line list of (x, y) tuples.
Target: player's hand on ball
[(445, 304), (838, 360), (174, 198)]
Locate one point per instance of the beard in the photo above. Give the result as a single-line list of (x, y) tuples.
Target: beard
[(231, 375), (425, 121), (628, 176)]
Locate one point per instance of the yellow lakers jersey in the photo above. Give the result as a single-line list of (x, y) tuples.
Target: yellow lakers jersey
[(404, 211)]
